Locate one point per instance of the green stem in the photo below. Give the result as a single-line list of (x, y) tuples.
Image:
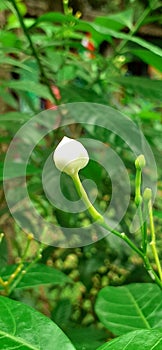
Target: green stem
[(34, 51), (66, 7), (138, 202), (151, 272), (101, 221), (83, 195), (1, 237), (27, 268), (138, 198), (2, 282), (97, 216), (153, 240), (124, 237)]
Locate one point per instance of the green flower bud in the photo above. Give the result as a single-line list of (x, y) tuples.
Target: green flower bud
[(147, 194), (140, 162)]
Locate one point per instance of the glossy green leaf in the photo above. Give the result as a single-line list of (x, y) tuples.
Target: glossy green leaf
[(137, 340), (38, 274), (131, 307), (21, 327)]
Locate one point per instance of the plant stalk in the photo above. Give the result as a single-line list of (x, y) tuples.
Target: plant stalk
[(153, 240), (101, 221)]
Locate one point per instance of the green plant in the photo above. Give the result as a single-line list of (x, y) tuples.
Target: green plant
[(39, 54)]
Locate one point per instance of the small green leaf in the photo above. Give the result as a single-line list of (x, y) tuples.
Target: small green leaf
[(127, 308), (21, 327), (137, 340)]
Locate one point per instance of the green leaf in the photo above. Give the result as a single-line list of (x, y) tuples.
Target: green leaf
[(21, 327), (56, 17), (148, 88), (62, 312), (73, 93), (116, 21), (145, 114), (127, 308), (38, 274), (87, 338), (15, 63), (7, 39), (106, 33), (143, 339), (149, 57), (3, 5)]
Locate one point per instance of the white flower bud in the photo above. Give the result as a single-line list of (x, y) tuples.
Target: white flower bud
[(70, 156)]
